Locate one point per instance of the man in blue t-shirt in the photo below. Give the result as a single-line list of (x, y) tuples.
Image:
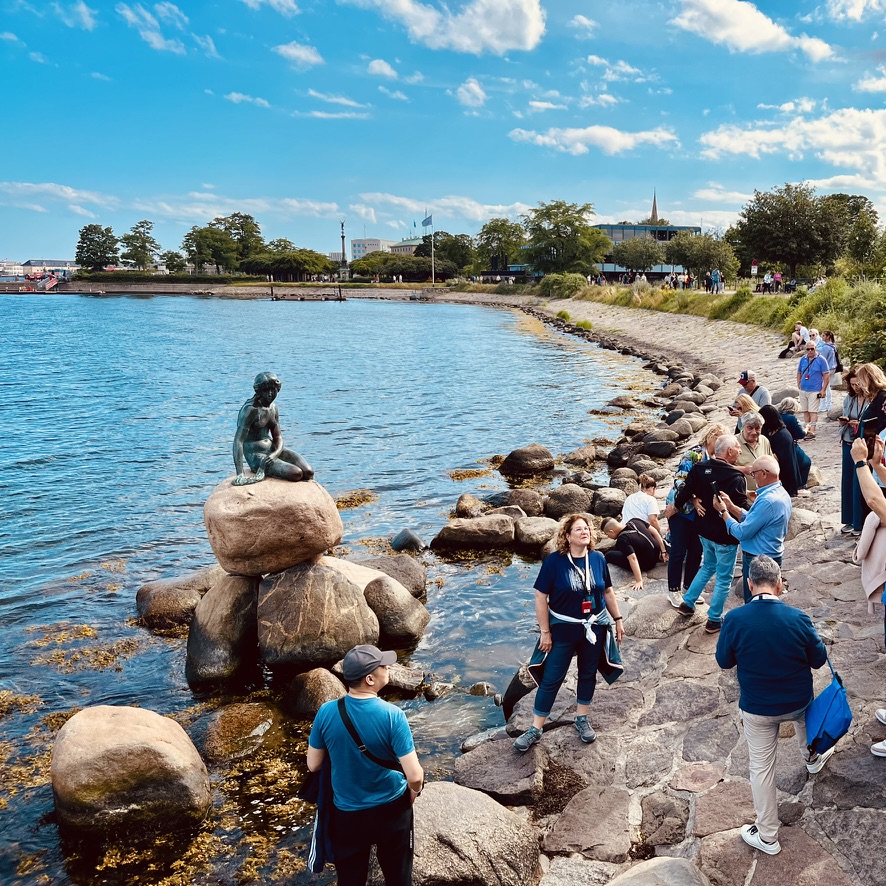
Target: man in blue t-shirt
[(373, 804), (775, 647), (813, 376)]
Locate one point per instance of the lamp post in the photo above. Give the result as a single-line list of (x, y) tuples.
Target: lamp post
[(343, 269)]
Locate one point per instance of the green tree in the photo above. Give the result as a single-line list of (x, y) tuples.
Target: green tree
[(661, 222), (139, 245), (457, 248), (287, 265), (413, 268), (499, 244), (789, 225), (562, 239), (96, 248), (281, 244), (174, 261), (210, 245), (699, 253), (638, 253), (243, 230)]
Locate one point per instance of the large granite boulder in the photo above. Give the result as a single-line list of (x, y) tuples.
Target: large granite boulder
[(665, 872), (530, 501), (242, 730), (312, 615), (532, 533), (408, 540), (411, 573), (223, 637), (584, 455), (464, 837), (608, 502), (124, 768), (270, 526), (491, 531), (470, 506), (567, 499), (594, 823), (508, 777), (170, 602), (308, 691), (401, 618), (528, 461)]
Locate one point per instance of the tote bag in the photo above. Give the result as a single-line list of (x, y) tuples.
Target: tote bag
[(828, 716)]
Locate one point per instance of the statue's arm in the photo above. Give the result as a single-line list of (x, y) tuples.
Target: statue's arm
[(276, 437)]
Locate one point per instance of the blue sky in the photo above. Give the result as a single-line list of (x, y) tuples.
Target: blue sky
[(305, 112)]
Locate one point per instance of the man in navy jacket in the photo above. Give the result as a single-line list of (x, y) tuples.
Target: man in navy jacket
[(774, 647)]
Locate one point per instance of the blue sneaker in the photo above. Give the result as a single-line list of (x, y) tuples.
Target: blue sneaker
[(530, 737), (585, 730)]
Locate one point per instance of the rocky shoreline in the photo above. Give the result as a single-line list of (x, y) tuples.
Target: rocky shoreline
[(668, 775)]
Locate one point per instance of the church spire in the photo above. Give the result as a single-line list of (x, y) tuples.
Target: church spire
[(654, 215)]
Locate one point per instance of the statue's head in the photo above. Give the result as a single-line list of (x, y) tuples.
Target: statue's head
[(267, 386)]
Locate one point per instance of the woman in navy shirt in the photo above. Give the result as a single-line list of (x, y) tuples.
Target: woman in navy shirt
[(574, 601)]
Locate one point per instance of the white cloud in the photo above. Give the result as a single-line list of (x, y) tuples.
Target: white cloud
[(78, 15), (545, 106), (449, 207), (207, 44), (148, 26), (584, 26), (335, 99), (300, 55), (601, 100), (850, 139), (171, 14), (394, 93), (741, 27), (716, 193), (285, 7), (333, 115), (799, 105), (605, 138), (871, 83), (38, 57), (854, 10), (238, 98), (96, 75), (378, 67), (417, 77), (52, 191), (618, 71), (471, 94), (363, 211), (199, 208), (495, 26), (8, 35), (79, 210)]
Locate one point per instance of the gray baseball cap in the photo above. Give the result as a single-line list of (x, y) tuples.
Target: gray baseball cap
[(363, 660)]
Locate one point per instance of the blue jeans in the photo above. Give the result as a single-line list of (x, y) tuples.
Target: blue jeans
[(716, 560), (685, 548), (569, 640), (746, 568), (853, 507)]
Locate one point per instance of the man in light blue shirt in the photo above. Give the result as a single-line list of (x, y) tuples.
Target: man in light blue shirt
[(762, 528), (813, 377)]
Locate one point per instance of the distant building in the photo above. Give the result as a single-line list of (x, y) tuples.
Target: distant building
[(362, 247), (49, 266), (11, 268), (334, 256), (407, 247)]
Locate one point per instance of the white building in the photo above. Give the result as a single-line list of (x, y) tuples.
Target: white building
[(11, 268), (361, 248), (407, 247)]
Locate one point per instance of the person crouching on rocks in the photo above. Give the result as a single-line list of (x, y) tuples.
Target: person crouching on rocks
[(574, 606)]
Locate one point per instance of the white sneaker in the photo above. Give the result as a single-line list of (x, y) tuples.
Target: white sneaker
[(816, 764), (879, 749), (881, 715), (751, 836)]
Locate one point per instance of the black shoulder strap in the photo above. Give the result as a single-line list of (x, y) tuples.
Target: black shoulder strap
[(386, 764)]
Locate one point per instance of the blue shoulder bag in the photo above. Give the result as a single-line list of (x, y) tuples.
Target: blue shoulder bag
[(828, 716)]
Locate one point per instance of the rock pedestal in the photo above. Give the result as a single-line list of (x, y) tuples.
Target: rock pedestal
[(269, 526)]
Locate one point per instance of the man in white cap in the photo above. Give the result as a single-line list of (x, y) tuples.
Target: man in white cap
[(376, 775)]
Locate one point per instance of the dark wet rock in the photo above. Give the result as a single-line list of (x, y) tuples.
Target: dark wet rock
[(242, 730), (670, 391), (170, 602), (642, 464), (608, 502), (636, 429), (621, 454), (623, 401), (660, 448), (685, 406), (594, 823), (482, 689), (659, 435), (727, 805), (124, 768), (532, 533), (664, 819), (479, 533), (311, 615), (407, 540), (584, 455), (528, 461), (449, 852), (411, 573), (406, 680), (679, 701), (495, 733), (469, 506), (223, 637), (401, 618), (308, 691), (673, 416), (521, 684), (623, 473), (528, 499), (682, 428), (567, 499), (503, 773)]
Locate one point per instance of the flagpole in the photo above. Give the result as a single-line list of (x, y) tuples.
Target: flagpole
[(433, 276)]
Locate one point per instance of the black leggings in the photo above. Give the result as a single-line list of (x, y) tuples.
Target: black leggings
[(388, 828)]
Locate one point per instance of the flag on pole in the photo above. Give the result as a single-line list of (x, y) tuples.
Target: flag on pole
[(426, 223)]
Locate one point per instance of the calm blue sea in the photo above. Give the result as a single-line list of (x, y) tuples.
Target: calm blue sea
[(118, 415)]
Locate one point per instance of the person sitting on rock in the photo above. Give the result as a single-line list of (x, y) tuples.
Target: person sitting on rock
[(642, 505), (259, 440), (638, 547), (575, 607)]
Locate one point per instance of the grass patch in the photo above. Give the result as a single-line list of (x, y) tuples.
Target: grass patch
[(563, 315), (584, 324)]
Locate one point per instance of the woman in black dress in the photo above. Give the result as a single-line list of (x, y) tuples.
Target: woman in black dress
[(782, 444)]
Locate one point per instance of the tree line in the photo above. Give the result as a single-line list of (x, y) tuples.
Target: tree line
[(791, 229)]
